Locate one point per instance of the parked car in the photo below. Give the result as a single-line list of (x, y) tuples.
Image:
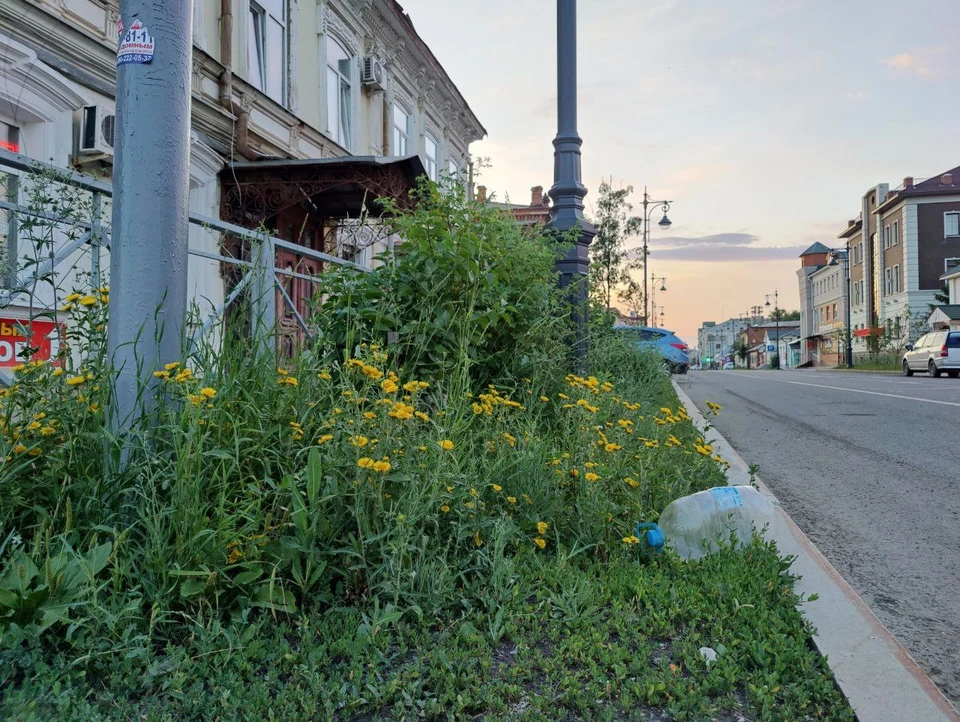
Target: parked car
[(935, 353), (676, 357), (729, 366)]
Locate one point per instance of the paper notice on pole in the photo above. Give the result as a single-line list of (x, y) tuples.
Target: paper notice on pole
[(136, 45)]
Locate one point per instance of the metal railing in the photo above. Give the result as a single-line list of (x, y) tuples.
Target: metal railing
[(260, 273)]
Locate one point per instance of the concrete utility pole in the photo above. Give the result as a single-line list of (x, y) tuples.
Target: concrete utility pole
[(148, 260), (568, 191)]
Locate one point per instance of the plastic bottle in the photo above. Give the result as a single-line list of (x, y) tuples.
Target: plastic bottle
[(692, 524)]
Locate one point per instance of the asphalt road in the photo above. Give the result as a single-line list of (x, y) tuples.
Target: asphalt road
[(868, 465)]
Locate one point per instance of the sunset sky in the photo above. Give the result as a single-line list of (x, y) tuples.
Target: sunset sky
[(763, 121)]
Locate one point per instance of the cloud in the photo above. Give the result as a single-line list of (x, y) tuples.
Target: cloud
[(858, 95), (933, 62), (720, 248)]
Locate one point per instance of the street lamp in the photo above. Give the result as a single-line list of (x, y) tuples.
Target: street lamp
[(665, 223), (840, 255), (568, 191), (776, 316), (663, 287)]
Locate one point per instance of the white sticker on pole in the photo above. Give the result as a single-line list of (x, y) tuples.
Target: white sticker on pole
[(136, 46)]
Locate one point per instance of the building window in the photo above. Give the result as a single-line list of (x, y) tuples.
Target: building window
[(951, 224), (9, 140), (896, 279), (896, 233), (453, 170), (339, 94), (401, 131), (888, 281), (834, 312), (886, 236), (430, 153), (266, 48), (951, 264)]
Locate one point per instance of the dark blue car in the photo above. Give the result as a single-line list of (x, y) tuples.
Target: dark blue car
[(676, 357)]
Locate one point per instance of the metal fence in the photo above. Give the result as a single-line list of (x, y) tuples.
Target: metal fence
[(87, 234)]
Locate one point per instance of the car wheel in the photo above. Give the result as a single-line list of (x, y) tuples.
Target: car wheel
[(907, 371), (953, 374), (933, 370)]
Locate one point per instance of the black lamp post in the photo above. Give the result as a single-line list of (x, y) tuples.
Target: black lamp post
[(665, 223), (568, 191), (776, 315)]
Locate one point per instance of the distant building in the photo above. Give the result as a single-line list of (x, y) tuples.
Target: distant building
[(822, 308), (535, 214)]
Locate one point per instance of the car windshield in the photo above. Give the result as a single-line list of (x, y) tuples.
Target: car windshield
[(953, 340)]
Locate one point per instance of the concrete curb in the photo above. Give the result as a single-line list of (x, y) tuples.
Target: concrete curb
[(878, 676)]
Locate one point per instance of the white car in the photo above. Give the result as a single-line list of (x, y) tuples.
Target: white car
[(729, 366)]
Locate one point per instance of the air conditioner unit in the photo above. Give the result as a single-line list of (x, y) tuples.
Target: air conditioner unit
[(97, 125), (373, 74)]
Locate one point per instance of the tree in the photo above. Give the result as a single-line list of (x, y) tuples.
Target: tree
[(610, 261), (941, 297), (781, 314), (741, 349)]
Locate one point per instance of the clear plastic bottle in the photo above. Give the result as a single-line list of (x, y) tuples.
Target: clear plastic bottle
[(692, 524)]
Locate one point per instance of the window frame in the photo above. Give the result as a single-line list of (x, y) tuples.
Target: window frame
[(11, 242), (339, 131), (895, 233), (431, 163), (257, 46), (395, 130), (956, 215), (268, 25), (896, 278)]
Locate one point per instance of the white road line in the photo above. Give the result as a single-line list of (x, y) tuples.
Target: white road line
[(861, 391)]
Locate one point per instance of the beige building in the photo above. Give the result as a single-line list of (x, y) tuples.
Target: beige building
[(302, 110)]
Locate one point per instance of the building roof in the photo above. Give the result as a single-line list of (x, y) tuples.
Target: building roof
[(784, 332), (951, 311), (928, 187), (815, 249)]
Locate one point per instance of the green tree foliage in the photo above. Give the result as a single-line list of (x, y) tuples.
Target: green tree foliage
[(782, 314), (610, 261)]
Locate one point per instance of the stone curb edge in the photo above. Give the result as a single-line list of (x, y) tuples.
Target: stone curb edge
[(877, 675)]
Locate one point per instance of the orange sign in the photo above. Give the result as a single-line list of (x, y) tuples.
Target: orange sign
[(46, 336)]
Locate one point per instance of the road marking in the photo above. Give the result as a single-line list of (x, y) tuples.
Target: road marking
[(861, 391)]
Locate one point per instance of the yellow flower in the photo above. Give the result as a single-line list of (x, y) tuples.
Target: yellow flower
[(161, 374), (401, 411), (34, 425), (563, 396), (325, 438), (476, 538), (88, 301), (172, 366), (540, 542), (359, 441), (369, 415), (631, 540), (666, 411), (422, 416), (47, 431), (324, 376), (590, 476), (613, 447), (57, 372), (701, 450), (512, 499), (497, 488), (67, 307), (289, 381), (208, 392), (544, 399), (446, 445), (76, 380), (574, 472), (383, 466), (389, 386), (590, 465), (365, 462), (73, 297), (542, 527), (424, 448), (632, 482), (94, 407), (445, 509), (19, 449)]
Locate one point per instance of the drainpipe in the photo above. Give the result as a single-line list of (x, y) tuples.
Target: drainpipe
[(227, 99)]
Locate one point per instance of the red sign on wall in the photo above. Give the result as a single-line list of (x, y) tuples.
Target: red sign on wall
[(47, 336)]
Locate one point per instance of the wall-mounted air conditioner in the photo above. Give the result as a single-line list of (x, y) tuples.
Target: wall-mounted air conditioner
[(372, 74), (97, 126)]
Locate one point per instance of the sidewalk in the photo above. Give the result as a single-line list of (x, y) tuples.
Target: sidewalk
[(880, 679)]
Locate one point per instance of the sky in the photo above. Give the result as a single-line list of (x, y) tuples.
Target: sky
[(764, 121)]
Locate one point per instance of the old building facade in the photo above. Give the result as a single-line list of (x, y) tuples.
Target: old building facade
[(326, 91)]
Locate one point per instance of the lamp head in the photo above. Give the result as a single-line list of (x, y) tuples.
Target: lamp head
[(665, 222)]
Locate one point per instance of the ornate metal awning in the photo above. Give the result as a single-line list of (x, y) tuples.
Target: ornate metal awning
[(255, 191)]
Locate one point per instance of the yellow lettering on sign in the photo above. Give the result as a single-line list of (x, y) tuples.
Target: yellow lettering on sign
[(7, 330)]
